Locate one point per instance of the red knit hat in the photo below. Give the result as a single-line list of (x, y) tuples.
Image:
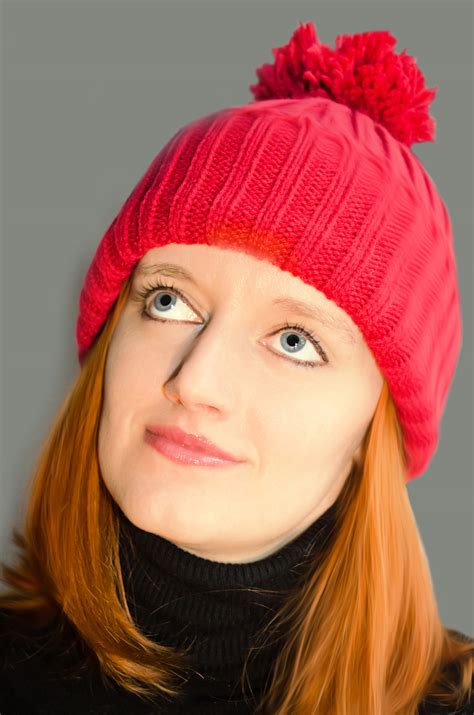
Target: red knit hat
[(317, 176)]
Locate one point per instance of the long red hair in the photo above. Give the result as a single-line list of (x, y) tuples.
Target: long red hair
[(364, 633)]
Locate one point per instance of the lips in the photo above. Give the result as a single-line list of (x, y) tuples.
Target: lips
[(195, 442)]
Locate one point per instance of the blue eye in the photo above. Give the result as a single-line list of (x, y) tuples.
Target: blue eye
[(290, 331), (165, 303)]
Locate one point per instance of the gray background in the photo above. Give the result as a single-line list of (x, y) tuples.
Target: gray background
[(90, 91)]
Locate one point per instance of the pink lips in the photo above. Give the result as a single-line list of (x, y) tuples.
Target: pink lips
[(186, 448)]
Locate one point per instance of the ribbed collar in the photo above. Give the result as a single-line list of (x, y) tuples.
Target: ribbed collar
[(177, 599)]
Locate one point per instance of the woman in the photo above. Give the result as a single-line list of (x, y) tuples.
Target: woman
[(278, 568)]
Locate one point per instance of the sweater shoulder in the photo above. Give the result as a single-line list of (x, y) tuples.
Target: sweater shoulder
[(39, 667), (430, 707), (42, 668)]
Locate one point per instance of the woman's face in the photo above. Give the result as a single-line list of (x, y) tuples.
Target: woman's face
[(224, 364)]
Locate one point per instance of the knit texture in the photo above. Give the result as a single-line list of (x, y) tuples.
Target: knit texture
[(180, 599), (326, 192)]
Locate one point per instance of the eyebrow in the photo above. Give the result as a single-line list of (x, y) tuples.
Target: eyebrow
[(314, 312), (311, 311), (165, 269)]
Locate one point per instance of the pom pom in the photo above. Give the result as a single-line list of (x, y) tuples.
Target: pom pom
[(363, 72)]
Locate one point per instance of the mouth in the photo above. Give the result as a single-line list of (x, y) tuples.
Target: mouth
[(187, 455), (193, 441)]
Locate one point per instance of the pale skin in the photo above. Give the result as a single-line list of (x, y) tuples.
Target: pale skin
[(223, 365)]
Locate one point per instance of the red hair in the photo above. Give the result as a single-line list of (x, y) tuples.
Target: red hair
[(364, 633)]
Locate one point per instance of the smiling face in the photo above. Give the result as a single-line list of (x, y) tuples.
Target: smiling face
[(225, 364)]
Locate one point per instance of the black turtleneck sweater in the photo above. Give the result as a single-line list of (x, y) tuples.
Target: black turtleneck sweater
[(216, 608), (177, 599)]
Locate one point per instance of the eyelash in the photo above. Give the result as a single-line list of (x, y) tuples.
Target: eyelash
[(144, 292)]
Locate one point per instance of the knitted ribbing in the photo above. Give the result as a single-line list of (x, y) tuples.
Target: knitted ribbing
[(178, 599)]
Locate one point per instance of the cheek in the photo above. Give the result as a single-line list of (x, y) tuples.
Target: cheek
[(134, 369), (314, 427), (129, 384)]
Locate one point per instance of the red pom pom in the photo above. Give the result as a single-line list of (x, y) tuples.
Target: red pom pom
[(363, 72)]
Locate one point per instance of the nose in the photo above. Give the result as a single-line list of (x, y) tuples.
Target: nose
[(203, 378)]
